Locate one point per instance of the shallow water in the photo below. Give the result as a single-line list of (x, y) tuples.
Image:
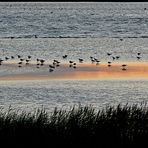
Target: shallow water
[(66, 93), (55, 48)]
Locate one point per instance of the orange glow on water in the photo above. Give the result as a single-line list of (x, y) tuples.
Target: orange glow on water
[(86, 71)]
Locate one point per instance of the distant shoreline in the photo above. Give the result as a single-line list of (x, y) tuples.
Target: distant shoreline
[(75, 1)]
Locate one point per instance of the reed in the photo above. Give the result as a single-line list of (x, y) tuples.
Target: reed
[(118, 126)]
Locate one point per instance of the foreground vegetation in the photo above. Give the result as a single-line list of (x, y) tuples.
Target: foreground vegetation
[(119, 126)]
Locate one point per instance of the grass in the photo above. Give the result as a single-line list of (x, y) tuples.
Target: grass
[(117, 126)]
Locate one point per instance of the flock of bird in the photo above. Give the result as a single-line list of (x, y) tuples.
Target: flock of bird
[(72, 64)]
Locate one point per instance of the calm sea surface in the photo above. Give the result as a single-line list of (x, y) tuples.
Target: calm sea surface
[(81, 30)]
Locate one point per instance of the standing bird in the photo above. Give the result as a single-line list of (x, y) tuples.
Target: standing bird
[(109, 64), (21, 59), (27, 62), (92, 59), (65, 56), (12, 57), (1, 61), (71, 62), (97, 62), (124, 67), (29, 57), (20, 64), (109, 54), (138, 58), (37, 60), (113, 58), (117, 57), (6, 58), (80, 60), (18, 56), (42, 62)]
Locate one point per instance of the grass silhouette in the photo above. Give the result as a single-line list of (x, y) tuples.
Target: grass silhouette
[(118, 126)]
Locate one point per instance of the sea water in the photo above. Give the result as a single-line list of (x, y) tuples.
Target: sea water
[(80, 30)]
